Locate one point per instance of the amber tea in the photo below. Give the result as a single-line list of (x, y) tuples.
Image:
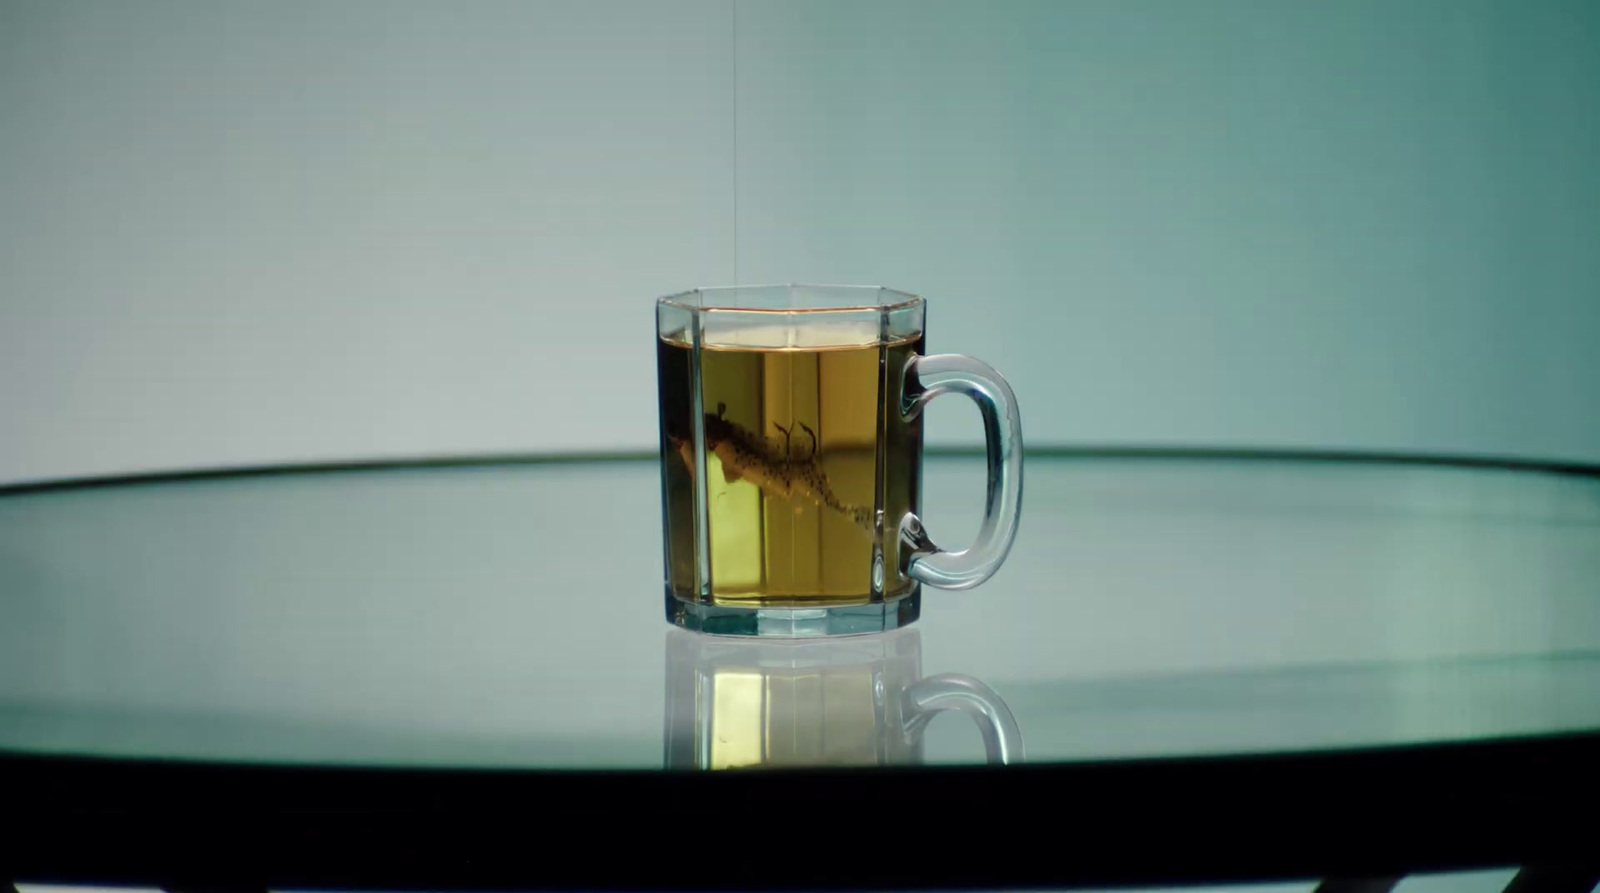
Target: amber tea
[(794, 439)]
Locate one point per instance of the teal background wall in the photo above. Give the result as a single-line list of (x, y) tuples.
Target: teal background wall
[(248, 232), (1364, 224)]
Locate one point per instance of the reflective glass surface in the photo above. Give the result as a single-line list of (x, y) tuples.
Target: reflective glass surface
[(510, 615)]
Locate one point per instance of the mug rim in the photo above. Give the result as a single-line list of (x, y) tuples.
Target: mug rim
[(894, 299)]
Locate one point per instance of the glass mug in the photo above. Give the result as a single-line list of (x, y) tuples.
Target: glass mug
[(791, 459), (761, 703)]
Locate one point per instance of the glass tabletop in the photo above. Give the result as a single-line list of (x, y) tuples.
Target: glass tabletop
[(509, 615)]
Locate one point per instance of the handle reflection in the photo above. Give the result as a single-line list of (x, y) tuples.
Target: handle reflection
[(856, 701)]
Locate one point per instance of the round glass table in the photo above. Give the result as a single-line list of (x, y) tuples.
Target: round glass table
[(1193, 667)]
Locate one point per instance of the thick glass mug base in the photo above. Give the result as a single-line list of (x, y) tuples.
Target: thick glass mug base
[(792, 622)]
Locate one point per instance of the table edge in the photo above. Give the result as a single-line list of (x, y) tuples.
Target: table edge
[(1389, 810), (1110, 452)]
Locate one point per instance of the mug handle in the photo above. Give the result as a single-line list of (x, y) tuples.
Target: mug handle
[(925, 378), (1002, 739)]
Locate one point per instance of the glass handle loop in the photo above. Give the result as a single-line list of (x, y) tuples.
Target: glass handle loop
[(926, 377)]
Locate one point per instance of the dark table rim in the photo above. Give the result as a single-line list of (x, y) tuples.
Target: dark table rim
[(1368, 812)]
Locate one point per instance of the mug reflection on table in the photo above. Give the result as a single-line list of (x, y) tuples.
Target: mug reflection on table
[(857, 701)]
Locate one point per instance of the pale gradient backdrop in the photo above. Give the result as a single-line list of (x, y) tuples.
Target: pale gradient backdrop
[(247, 232)]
